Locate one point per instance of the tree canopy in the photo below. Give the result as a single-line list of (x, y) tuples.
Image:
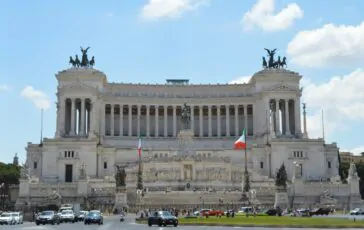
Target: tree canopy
[(281, 176), (9, 173)]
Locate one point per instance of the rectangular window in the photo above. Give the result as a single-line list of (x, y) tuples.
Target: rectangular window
[(261, 164), (35, 165), (329, 164), (105, 165)]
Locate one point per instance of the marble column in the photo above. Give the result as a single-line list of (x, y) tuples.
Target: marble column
[(210, 120), (148, 120), (73, 116), (236, 110), (112, 120), (130, 121), (174, 121), (139, 108), (254, 119), (121, 120), (227, 112), (218, 107), (165, 119), (201, 120), (83, 116), (297, 116), (288, 130), (278, 127), (103, 118), (61, 117), (157, 120)]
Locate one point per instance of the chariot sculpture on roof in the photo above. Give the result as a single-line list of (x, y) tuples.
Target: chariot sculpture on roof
[(75, 62), (272, 63)]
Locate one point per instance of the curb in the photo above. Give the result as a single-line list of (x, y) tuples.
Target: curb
[(262, 225)]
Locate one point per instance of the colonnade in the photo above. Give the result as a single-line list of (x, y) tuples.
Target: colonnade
[(165, 120)]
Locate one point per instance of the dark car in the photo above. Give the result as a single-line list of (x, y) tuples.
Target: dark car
[(47, 217), (94, 217), (320, 211), (162, 218)]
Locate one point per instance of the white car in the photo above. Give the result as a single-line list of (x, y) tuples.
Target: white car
[(7, 218), (67, 216), (18, 216)]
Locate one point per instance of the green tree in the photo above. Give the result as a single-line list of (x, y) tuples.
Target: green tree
[(246, 181), (360, 171), (281, 177), (343, 171), (9, 173)]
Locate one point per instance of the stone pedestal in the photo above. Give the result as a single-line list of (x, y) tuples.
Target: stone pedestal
[(281, 198), (120, 198), (185, 142)]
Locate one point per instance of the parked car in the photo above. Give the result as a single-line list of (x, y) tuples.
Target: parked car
[(94, 217), (7, 219), (357, 211), (67, 216), (47, 217), (81, 215), (213, 212), (18, 216), (320, 211), (162, 218)]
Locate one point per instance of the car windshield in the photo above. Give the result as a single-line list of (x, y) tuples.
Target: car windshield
[(5, 215), (94, 213), (67, 212), (165, 213), (46, 213)]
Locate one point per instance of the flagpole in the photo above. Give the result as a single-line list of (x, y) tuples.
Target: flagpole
[(41, 127), (323, 124)]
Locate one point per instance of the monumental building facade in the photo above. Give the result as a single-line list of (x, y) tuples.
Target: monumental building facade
[(99, 125)]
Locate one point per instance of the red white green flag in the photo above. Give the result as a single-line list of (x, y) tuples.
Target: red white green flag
[(241, 142), (140, 147)]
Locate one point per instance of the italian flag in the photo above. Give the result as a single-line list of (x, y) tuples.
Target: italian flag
[(241, 142), (140, 147)]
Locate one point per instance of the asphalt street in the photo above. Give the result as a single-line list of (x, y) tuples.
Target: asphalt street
[(111, 223)]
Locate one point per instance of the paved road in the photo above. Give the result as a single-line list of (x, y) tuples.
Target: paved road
[(111, 223)]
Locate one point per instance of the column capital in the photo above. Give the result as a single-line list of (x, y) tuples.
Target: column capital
[(236, 106), (218, 106)]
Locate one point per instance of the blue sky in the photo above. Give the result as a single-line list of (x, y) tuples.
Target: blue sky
[(206, 41)]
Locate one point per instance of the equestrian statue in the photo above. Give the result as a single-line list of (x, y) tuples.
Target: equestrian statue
[(272, 63), (76, 63)]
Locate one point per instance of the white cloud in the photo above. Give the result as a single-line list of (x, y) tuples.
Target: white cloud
[(4, 88), (341, 99), (240, 80), (328, 45), (37, 97), (262, 15), (155, 9)]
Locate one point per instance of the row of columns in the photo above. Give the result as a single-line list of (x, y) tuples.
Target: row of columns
[(285, 112), (111, 129), (74, 117)]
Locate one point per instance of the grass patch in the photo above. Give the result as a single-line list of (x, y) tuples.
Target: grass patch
[(273, 221)]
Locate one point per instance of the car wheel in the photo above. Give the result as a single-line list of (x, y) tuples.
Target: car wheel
[(164, 224), (160, 223), (175, 225), (149, 223), (37, 223)]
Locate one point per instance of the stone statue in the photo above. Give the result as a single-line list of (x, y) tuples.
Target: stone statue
[(186, 116), (264, 64), (77, 61), (120, 176), (25, 172), (83, 171), (84, 61), (352, 171)]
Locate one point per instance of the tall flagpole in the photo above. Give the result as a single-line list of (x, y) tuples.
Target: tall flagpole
[(323, 124), (41, 127)]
